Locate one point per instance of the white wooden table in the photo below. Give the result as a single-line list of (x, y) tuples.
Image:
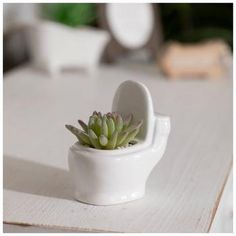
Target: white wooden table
[(184, 190)]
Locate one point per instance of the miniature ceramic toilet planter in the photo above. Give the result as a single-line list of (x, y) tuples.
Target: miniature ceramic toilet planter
[(55, 46), (107, 177)]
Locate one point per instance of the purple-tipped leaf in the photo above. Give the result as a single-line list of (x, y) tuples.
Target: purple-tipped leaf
[(91, 122), (83, 125), (75, 131), (128, 120), (119, 123), (130, 137), (111, 127), (121, 137), (104, 130), (134, 126), (98, 127)]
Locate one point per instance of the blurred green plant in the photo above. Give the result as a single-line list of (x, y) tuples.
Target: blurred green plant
[(72, 14)]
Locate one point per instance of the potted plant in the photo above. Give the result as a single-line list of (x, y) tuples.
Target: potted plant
[(116, 152)]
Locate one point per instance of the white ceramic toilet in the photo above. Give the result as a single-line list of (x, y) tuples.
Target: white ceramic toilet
[(106, 177)]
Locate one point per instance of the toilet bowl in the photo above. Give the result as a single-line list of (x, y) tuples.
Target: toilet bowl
[(107, 177)]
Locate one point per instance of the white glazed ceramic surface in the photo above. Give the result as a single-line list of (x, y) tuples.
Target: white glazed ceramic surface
[(106, 177), (55, 46), (131, 24)]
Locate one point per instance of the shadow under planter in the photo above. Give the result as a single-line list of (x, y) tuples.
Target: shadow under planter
[(35, 178)]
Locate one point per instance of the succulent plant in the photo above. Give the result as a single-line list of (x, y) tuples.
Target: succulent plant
[(109, 131)]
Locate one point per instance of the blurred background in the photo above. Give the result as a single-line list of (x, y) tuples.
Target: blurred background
[(178, 22)]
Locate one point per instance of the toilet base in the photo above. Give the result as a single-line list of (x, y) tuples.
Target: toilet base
[(104, 200)]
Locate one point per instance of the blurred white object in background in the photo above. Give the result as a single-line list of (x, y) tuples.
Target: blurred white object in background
[(131, 24), (211, 59), (55, 46), (19, 14), (135, 29)]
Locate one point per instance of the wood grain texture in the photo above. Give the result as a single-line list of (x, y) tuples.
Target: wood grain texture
[(223, 220), (23, 228), (183, 190)]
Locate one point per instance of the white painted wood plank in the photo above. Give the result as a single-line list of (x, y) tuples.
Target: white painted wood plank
[(223, 221), (12, 228), (183, 190)]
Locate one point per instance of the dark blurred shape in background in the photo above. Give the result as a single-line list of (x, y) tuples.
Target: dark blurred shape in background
[(192, 22), (183, 22)]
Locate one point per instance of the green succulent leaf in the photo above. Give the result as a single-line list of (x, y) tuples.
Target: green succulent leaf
[(134, 126), (100, 115), (104, 130), (98, 126), (128, 120), (94, 139), (85, 138), (108, 131), (130, 136), (114, 115), (83, 125), (119, 122), (109, 114), (103, 140), (121, 138), (111, 126), (91, 122), (75, 131), (112, 142)]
